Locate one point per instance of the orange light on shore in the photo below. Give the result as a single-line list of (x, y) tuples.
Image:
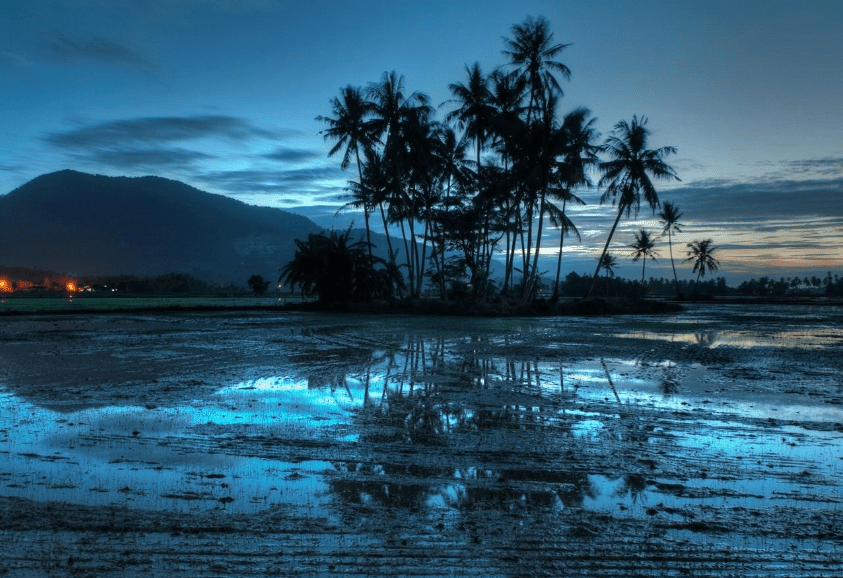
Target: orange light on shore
[(71, 286)]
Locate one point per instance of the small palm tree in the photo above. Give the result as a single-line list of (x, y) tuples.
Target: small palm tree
[(608, 262), (700, 252), (642, 248), (670, 216)]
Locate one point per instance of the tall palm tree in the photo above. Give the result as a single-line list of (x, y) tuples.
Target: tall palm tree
[(642, 248), (669, 217), (351, 127), (474, 113), (701, 253), (393, 111), (627, 173), (577, 155), (532, 51)]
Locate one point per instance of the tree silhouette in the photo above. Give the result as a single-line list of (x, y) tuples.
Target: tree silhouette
[(670, 216), (627, 173), (351, 127), (531, 51), (701, 253), (258, 285), (335, 270), (608, 263), (642, 248)]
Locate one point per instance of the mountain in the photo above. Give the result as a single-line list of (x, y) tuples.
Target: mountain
[(82, 224)]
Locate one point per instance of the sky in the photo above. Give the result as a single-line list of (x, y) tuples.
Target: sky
[(224, 95)]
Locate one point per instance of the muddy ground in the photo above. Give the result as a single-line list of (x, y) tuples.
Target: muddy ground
[(706, 443)]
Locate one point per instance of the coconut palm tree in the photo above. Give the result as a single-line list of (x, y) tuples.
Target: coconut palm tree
[(577, 155), (627, 174), (701, 253), (474, 113), (642, 248), (351, 127), (669, 217), (532, 52), (608, 263)]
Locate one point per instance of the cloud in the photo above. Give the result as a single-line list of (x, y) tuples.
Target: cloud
[(147, 159), (290, 155), (718, 202), (159, 130), (827, 166), (309, 180), (99, 49)]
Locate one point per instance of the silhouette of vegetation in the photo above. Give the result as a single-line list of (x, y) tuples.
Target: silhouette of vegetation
[(669, 217), (257, 284), (337, 270), (643, 248), (701, 254), (627, 173)]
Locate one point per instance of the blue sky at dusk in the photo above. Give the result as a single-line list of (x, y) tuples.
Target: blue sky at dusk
[(223, 95)]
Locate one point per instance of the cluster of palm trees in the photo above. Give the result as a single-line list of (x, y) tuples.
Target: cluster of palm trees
[(483, 181)]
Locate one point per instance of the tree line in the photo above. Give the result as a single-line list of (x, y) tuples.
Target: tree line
[(485, 181)]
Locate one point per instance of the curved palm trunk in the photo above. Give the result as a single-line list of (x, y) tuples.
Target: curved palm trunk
[(605, 248), (386, 232)]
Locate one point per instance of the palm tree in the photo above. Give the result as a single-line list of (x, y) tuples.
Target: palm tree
[(700, 252), (627, 173), (532, 51), (352, 128), (578, 153), (670, 216), (608, 262), (642, 248), (475, 111)]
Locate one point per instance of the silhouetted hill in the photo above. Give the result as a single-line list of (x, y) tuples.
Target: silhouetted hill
[(82, 224)]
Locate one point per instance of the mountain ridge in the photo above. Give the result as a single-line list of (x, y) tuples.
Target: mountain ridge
[(82, 224)]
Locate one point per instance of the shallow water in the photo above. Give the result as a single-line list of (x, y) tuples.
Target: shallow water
[(714, 426)]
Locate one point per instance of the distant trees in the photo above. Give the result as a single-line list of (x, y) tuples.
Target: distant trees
[(642, 248), (257, 284)]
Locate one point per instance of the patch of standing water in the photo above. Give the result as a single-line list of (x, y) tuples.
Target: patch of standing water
[(143, 456)]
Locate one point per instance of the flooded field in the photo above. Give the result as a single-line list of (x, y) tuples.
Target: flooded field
[(706, 443)]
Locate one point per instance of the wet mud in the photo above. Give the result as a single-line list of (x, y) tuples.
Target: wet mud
[(705, 443)]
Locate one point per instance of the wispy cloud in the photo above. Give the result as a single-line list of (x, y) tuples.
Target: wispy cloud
[(99, 49), (311, 180), (291, 155), (159, 130)]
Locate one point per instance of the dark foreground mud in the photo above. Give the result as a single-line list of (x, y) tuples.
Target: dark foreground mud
[(708, 443)]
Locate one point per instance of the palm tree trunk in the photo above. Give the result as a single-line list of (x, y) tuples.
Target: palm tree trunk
[(386, 232), (534, 273), (605, 248), (670, 247), (561, 246), (365, 204)]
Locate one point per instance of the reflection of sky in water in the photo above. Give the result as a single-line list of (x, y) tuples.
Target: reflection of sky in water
[(164, 458), (143, 457)]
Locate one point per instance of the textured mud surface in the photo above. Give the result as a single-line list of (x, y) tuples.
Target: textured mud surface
[(708, 443)]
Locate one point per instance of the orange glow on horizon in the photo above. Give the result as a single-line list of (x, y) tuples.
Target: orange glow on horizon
[(71, 286)]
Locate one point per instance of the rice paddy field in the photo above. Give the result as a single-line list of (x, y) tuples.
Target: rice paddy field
[(271, 443)]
